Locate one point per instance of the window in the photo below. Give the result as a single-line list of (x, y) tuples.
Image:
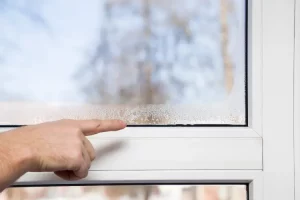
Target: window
[(143, 61), (136, 192), (254, 146)]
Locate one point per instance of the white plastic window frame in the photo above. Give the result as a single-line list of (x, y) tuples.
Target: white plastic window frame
[(261, 155), (297, 100)]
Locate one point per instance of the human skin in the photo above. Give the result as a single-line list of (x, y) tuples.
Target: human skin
[(59, 146)]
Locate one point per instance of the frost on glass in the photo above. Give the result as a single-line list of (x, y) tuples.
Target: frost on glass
[(144, 61), (129, 192)]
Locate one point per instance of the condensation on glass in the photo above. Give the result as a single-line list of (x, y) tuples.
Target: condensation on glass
[(151, 62), (129, 192)]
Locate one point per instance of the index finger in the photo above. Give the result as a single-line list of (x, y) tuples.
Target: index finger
[(91, 127)]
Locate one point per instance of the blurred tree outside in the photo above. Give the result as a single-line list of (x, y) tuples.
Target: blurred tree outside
[(141, 64), (145, 53), (164, 39)]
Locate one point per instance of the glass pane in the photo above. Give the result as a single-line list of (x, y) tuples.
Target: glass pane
[(152, 62), (138, 192)]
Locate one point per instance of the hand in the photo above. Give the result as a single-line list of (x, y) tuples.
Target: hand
[(60, 146)]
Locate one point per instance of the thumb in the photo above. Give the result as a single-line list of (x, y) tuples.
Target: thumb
[(91, 127)]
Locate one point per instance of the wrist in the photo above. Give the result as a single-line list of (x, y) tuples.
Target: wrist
[(20, 158), (15, 161), (24, 160)]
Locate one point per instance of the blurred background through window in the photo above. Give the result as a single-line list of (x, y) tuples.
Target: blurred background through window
[(133, 192), (144, 61)]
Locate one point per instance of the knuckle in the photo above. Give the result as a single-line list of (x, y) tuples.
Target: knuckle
[(93, 156), (76, 166), (96, 123), (74, 160), (73, 165), (85, 173), (77, 132), (82, 172), (77, 157), (89, 164)]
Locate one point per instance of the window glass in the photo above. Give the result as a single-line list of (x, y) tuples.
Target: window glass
[(152, 62), (129, 192)]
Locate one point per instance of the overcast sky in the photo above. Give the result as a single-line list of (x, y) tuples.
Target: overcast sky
[(44, 57)]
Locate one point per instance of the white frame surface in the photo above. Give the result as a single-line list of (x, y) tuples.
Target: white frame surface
[(261, 154), (297, 101), (278, 61)]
